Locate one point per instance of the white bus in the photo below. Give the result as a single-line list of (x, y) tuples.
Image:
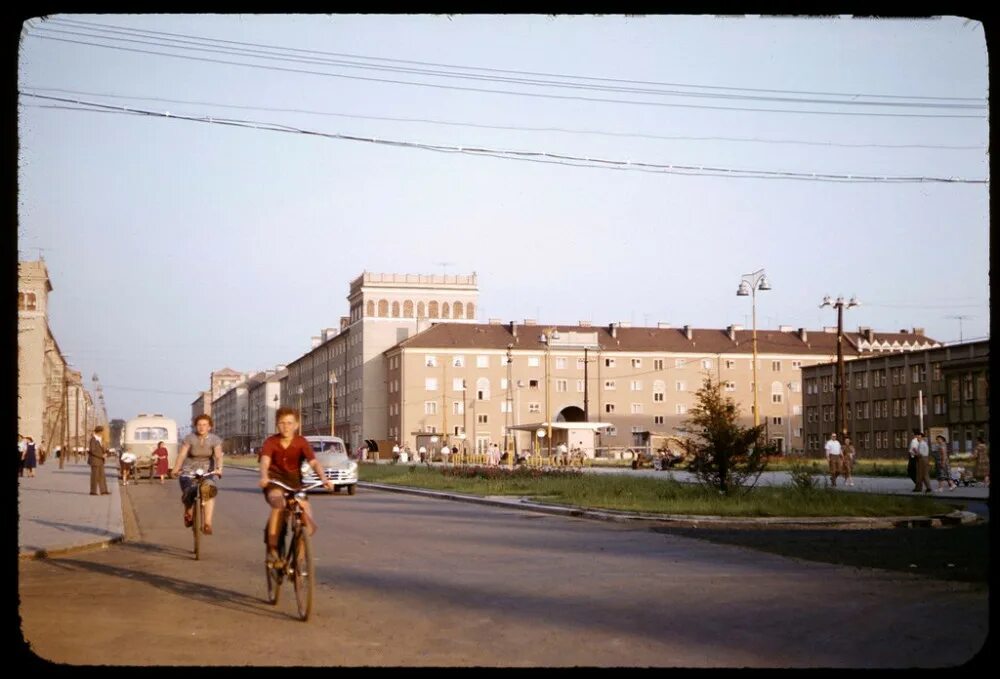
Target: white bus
[(141, 435)]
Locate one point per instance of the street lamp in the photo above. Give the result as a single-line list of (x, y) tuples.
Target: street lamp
[(333, 385), (508, 420), (546, 339), (840, 421), (751, 283), (299, 391)]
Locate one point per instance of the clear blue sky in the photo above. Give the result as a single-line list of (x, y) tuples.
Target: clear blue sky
[(176, 247)]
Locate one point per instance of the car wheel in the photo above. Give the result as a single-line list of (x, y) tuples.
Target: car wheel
[(351, 489)]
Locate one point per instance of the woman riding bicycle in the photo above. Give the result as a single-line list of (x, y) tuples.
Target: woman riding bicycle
[(281, 459), (200, 449)]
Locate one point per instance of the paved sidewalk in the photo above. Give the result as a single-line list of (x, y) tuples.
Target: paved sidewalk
[(57, 513)]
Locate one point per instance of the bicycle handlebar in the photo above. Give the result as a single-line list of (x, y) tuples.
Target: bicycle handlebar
[(314, 484), (195, 473)]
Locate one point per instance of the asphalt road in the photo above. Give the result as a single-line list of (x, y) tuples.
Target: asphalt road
[(413, 581)]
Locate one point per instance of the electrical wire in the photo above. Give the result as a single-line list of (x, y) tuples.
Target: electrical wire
[(514, 92), (537, 156), (133, 31), (505, 127)]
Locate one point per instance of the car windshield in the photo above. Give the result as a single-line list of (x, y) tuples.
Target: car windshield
[(328, 447)]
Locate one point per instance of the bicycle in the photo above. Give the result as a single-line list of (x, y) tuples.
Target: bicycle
[(294, 552), (200, 476)]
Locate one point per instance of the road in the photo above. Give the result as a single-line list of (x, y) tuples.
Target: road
[(414, 581)]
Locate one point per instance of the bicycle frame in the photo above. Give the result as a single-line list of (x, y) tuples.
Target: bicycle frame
[(198, 507)]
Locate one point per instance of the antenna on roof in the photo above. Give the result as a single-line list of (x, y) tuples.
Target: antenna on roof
[(443, 265), (960, 318)]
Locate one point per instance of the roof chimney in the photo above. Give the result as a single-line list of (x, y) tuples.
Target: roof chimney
[(803, 335), (688, 332), (315, 342), (867, 334), (344, 322), (513, 328), (918, 331), (731, 331), (613, 329)]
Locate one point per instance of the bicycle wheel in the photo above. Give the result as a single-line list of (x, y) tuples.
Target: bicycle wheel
[(196, 526), (302, 573)]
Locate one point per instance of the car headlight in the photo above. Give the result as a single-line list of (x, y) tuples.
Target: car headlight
[(354, 467)]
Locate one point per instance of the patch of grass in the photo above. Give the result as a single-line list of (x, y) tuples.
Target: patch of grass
[(884, 467), (959, 553), (651, 495)]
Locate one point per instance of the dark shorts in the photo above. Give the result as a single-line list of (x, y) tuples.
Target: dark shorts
[(287, 479)]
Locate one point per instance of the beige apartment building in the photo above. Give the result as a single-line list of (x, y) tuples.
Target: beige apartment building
[(53, 407), (339, 383), (455, 378), (263, 401)]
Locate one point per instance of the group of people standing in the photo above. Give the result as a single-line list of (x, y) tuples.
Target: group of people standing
[(840, 459), (921, 454)]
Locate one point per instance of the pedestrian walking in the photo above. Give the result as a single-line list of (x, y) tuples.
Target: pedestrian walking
[(942, 465), (849, 453), (127, 467), (30, 456), (160, 461), (834, 457), (22, 450), (981, 470), (95, 457), (920, 451)]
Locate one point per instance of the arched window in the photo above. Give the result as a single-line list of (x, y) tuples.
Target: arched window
[(470, 310), (408, 309), (395, 309), (483, 389), (432, 309), (457, 308), (370, 308), (445, 310), (383, 308), (420, 310)]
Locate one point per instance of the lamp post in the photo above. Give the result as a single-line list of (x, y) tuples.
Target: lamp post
[(333, 385), (751, 283), (299, 391), (840, 421), (546, 339), (274, 400), (508, 419)]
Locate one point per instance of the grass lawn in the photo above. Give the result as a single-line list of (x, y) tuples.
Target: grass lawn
[(647, 495)]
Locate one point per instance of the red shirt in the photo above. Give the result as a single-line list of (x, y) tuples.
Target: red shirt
[(287, 462)]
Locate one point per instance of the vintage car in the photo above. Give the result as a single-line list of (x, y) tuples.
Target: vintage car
[(337, 466)]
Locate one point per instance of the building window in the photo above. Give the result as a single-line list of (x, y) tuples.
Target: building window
[(503, 384), (483, 389), (940, 405), (430, 407), (457, 408), (636, 385), (775, 366), (636, 362), (445, 310), (730, 386), (458, 361), (579, 386), (430, 361), (918, 373), (432, 309), (609, 385), (680, 409), (431, 384), (775, 420), (609, 363), (482, 419), (26, 301), (680, 362), (560, 362), (505, 407), (533, 361), (775, 398), (532, 384), (612, 430), (657, 419), (657, 364), (730, 364), (796, 365), (534, 408), (636, 408), (658, 397), (562, 385), (681, 386), (457, 384), (609, 407), (936, 372)]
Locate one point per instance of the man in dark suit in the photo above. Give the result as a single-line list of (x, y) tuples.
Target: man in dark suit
[(95, 457)]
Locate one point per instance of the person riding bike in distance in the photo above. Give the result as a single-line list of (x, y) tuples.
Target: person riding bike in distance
[(201, 448), (281, 459)]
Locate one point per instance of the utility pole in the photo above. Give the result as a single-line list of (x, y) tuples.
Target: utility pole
[(65, 427), (840, 417), (586, 386), (509, 415)]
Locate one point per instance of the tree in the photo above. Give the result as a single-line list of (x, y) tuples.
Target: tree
[(726, 456)]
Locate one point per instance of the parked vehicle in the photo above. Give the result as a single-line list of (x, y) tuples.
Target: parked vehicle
[(140, 437), (337, 466)]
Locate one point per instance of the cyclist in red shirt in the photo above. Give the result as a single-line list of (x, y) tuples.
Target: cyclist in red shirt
[(281, 459)]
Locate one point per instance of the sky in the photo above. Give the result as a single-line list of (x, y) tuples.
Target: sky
[(203, 188)]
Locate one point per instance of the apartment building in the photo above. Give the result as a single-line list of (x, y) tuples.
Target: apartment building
[(263, 401), (339, 383), (231, 418), (893, 392), (455, 379)]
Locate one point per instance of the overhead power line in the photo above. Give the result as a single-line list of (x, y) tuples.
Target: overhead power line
[(133, 31), (534, 156), (518, 128), (500, 91)]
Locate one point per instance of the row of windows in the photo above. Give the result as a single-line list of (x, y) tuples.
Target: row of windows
[(562, 362), (879, 378), (384, 309)]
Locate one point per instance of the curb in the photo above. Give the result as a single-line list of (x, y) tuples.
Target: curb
[(63, 551)]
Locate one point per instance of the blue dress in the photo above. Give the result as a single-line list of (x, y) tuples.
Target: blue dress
[(30, 461)]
